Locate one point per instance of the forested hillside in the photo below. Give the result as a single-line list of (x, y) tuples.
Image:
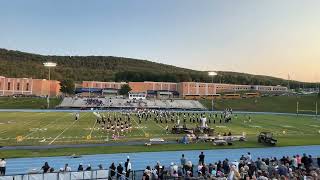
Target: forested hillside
[(109, 68)]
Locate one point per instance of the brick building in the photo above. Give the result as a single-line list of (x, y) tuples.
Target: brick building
[(183, 89), (28, 86)]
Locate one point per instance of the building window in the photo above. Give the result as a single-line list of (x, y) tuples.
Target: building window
[(18, 86), (27, 88), (9, 85)]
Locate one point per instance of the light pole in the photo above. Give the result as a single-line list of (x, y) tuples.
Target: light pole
[(49, 65), (212, 74)]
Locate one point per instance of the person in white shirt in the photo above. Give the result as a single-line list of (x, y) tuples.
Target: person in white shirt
[(248, 157), (3, 164), (67, 168)]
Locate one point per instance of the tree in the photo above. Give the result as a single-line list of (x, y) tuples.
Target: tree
[(125, 89), (67, 86)]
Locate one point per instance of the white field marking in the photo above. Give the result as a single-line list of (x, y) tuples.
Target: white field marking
[(221, 126), (45, 125), (66, 129), (94, 125), (138, 126), (62, 132), (287, 126), (313, 125), (255, 126), (159, 125), (32, 120)]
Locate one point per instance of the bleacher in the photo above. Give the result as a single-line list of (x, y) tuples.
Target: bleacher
[(76, 102)]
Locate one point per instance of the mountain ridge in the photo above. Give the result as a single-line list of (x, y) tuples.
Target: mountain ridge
[(113, 68)]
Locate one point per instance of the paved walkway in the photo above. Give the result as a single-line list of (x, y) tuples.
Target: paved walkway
[(141, 160)]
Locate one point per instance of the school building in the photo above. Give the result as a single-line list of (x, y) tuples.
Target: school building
[(28, 86), (182, 89)]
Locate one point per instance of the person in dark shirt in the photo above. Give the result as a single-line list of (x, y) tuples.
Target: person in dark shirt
[(304, 160), (80, 167), (112, 170), (45, 167), (201, 158), (88, 167), (119, 170), (127, 166)]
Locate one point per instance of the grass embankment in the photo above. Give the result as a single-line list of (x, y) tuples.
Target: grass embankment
[(27, 102), (283, 104)]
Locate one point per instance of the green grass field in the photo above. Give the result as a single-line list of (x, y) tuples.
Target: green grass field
[(60, 128), (27, 103), (286, 104)]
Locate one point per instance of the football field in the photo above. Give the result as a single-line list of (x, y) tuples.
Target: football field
[(52, 128)]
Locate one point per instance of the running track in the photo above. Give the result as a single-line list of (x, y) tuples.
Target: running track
[(141, 160)]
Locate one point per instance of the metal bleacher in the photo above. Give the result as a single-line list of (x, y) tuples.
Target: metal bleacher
[(76, 102)]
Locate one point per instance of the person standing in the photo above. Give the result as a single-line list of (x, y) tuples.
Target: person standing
[(3, 164), (67, 168), (119, 170), (201, 158), (112, 170), (183, 163), (128, 167), (45, 167)]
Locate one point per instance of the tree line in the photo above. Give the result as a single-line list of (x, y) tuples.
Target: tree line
[(109, 68)]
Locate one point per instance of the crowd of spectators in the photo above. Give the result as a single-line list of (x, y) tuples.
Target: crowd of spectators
[(93, 102), (296, 167)]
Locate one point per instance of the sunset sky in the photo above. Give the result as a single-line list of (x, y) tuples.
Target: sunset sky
[(269, 37)]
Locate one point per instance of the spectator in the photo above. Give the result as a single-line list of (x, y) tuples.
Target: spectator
[(295, 162), (147, 173), (3, 164), (183, 163), (248, 157), (119, 170), (128, 167), (201, 158), (67, 168), (88, 167), (100, 167), (80, 167), (45, 167), (112, 170), (282, 170), (304, 159)]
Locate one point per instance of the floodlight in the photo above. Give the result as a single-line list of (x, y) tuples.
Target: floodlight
[(50, 64), (212, 73)]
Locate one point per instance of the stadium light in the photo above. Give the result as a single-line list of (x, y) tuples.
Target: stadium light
[(212, 74), (49, 65)]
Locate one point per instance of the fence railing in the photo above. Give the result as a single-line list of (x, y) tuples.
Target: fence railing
[(96, 174)]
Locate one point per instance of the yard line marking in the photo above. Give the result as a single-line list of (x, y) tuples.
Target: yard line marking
[(94, 125), (67, 129), (62, 132), (47, 125), (138, 126)]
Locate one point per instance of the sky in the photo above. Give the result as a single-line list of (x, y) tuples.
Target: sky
[(267, 37)]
